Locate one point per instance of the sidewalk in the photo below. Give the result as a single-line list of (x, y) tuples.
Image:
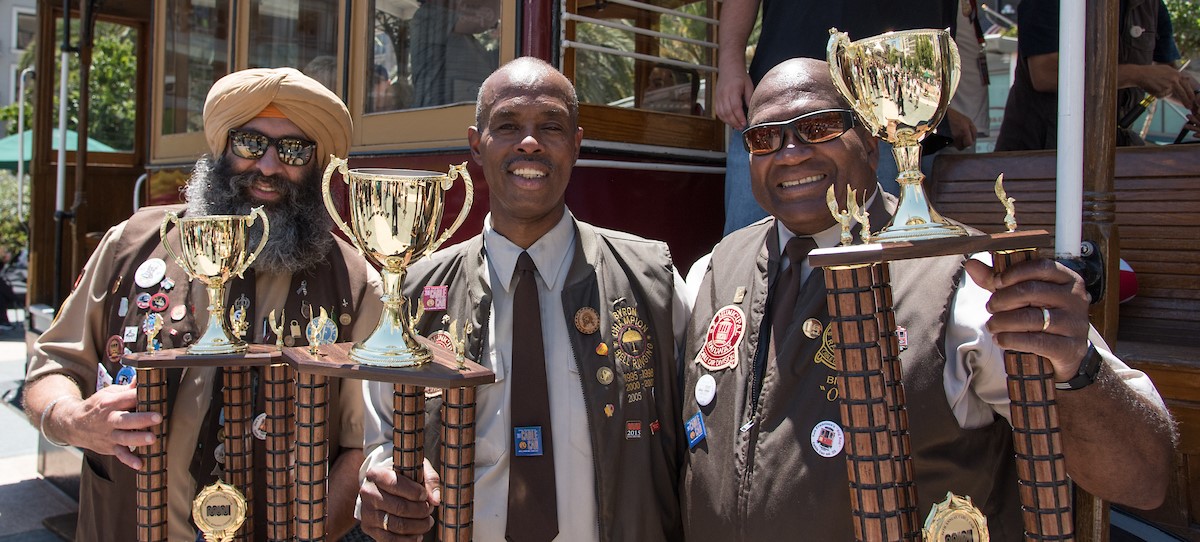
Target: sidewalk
[(25, 498)]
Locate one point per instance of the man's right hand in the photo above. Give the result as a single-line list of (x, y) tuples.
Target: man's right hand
[(733, 92), (1165, 81), (105, 423), (395, 508)]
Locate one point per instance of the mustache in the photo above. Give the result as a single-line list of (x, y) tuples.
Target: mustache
[(241, 183), (536, 159)]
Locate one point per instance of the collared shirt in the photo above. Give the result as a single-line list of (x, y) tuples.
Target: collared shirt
[(975, 379), (578, 517), (573, 472)]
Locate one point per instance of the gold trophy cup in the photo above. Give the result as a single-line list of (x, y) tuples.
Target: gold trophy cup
[(395, 215), (900, 84), (214, 249)]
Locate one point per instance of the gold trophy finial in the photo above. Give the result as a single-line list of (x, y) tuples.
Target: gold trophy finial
[(860, 215), (395, 215), (1010, 208), (899, 85), (843, 217), (321, 330), (277, 327), (214, 249)]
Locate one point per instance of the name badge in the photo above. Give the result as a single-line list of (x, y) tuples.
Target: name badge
[(527, 441), (695, 430)]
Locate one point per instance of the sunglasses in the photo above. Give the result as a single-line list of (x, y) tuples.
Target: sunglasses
[(292, 151), (815, 127)]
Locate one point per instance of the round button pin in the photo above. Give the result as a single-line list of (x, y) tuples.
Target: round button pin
[(706, 389), (150, 273), (259, 427), (143, 300), (178, 312), (159, 302), (604, 375)]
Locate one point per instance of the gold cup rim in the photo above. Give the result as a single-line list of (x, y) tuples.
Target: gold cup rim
[(893, 34), (395, 174), (213, 218)]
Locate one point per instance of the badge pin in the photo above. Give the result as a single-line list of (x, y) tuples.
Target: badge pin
[(143, 300), (827, 439), (345, 319), (103, 379), (587, 320), (812, 328), (1136, 31), (242, 302), (604, 375), (178, 312), (150, 272), (123, 308), (695, 430), (739, 295), (902, 338), (706, 389), (167, 284), (131, 333), (602, 349), (219, 453), (609, 409), (259, 427), (654, 427), (116, 284), (434, 298), (124, 376), (159, 302), (114, 348), (633, 429), (303, 289), (527, 441)]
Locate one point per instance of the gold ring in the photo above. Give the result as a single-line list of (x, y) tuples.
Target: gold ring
[(1045, 318), (385, 522)]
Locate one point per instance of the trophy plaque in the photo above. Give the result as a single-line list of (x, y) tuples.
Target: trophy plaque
[(394, 218), (899, 85)]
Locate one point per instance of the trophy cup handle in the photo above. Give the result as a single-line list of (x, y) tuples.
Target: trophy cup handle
[(454, 173), (262, 242), (338, 164), (171, 217), (834, 51)]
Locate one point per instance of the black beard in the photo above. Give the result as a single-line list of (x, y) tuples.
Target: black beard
[(300, 225)]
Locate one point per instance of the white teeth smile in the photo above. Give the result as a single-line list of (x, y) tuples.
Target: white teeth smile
[(264, 187), (528, 173), (798, 182)]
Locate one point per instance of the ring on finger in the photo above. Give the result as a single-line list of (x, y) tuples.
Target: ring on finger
[(1045, 318), (385, 521)]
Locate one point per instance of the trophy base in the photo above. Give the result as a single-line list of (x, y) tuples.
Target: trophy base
[(391, 356), (917, 232), (211, 348)]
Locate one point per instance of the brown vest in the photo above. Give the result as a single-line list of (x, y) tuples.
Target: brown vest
[(107, 487), (768, 481)]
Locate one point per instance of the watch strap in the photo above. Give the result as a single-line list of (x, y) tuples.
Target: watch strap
[(1089, 369)]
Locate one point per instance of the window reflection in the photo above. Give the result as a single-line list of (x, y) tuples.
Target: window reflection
[(431, 52), (300, 34), (195, 52)]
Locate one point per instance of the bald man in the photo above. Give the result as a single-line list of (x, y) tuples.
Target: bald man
[(768, 461), (575, 440), (270, 132)]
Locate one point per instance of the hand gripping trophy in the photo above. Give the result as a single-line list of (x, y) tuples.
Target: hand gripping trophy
[(899, 85)]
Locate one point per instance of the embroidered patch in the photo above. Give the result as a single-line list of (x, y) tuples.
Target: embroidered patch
[(633, 346), (725, 332), (443, 339), (824, 354)]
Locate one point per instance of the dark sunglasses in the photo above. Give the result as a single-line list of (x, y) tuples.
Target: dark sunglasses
[(293, 151), (815, 127)]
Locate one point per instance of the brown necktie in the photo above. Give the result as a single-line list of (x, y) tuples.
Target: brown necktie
[(532, 502), (787, 290)]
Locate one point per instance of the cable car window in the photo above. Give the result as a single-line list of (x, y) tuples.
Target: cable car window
[(300, 34), (195, 56)]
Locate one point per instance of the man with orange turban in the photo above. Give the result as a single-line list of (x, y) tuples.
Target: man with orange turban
[(270, 132)]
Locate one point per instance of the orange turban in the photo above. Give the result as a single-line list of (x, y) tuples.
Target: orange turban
[(240, 96)]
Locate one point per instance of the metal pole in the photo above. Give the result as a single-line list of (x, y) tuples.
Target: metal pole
[(60, 185), (1069, 202), (21, 143)]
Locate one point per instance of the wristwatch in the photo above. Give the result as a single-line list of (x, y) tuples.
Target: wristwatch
[(1089, 368)]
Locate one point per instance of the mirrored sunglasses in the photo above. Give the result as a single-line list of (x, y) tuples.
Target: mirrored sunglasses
[(292, 151), (815, 127)]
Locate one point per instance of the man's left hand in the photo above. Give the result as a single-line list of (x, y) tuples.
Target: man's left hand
[(1038, 306)]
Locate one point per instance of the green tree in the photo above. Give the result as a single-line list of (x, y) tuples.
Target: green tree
[(1185, 18), (113, 76)]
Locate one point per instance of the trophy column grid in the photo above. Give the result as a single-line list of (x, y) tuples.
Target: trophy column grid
[(312, 455), (870, 466), (458, 465), (885, 316), (408, 433), (279, 385), (239, 452), (152, 476), (1037, 440)]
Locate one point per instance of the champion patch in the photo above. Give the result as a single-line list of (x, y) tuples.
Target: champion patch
[(725, 332), (633, 346)]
